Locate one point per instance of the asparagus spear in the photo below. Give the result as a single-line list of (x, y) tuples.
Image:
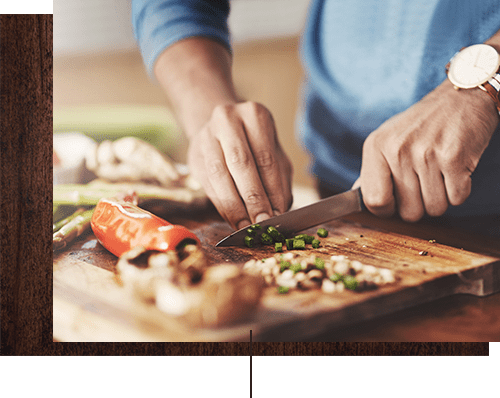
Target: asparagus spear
[(72, 230), (59, 224)]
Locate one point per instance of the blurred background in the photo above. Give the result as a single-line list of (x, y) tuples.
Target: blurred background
[(101, 86)]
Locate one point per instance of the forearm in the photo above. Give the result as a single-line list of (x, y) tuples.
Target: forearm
[(195, 74)]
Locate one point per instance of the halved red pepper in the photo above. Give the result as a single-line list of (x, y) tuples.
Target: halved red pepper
[(121, 225)]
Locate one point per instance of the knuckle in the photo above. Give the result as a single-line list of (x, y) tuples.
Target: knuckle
[(253, 198), (265, 159), (216, 168), (237, 156)]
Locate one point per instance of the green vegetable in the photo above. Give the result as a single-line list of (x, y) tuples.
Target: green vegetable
[(299, 244), (249, 241), (319, 263), (284, 265), (255, 226), (350, 282), (282, 289), (266, 239), (337, 277), (251, 232), (322, 233), (296, 268), (289, 244), (273, 232), (306, 238), (278, 247), (315, 243)]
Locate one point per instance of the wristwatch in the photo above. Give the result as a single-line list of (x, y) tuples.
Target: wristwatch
[(476, 66)]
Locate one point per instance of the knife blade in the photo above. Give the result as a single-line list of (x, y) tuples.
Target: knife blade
[(294, 221)]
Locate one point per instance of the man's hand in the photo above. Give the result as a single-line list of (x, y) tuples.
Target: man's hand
[(242, 167), (421, 160)]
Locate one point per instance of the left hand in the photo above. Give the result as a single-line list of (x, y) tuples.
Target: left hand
[(421, 160)]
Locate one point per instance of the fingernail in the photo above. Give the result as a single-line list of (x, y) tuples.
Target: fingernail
[(243, 224), (261, 217), (276, 212)]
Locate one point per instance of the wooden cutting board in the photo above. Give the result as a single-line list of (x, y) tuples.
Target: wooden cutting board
[(89, 304)]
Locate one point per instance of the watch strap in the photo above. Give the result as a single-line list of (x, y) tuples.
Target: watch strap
[(492, 87)]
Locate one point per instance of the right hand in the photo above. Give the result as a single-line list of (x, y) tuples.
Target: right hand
[(238, 160)]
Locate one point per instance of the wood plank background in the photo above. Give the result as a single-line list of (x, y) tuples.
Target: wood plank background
[(26, 192)]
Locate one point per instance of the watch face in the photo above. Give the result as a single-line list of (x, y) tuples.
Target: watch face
[(473, 66)]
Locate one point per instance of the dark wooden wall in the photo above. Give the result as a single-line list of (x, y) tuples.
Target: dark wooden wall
[(26, 194)]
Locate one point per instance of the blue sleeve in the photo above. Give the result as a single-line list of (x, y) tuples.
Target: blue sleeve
[(160, 23)]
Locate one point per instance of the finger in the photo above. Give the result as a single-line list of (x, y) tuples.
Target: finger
[(408, 195), (221, 188), (376, 182), (458, 186), (241, 165), (432, 185), (261, 133)]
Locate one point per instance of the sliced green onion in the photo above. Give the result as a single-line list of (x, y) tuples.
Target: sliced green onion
[(315, 243), (336, 277), (350, 282), (266, 239), (289, 244), (322, 233), (284, 265), (296, 268), (249, 241), (319, 263), (251, 232), (306, 238), (255, 226), (299, 244), (283, 289), (278, 247), (273, 232)]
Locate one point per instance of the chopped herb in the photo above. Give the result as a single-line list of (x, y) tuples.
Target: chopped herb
[(432, 240), (296, 268), (299, 244), (319, 263), (266, 239), (282, 289), (256, 226), (273, 232), (336, 277), (315, 243), (249, 241), (251, 232), (322, 233), (278, 247), (284, 265), (306, 238), (350, 282), (289, 244)]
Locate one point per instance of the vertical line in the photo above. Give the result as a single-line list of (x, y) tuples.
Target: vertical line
[(250, 363)]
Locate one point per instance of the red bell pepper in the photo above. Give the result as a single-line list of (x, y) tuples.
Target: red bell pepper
[(120, 226)]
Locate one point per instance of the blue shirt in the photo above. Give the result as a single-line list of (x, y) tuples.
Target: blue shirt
[(365, 61)]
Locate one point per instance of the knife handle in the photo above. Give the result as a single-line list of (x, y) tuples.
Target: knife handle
[(362, 204)]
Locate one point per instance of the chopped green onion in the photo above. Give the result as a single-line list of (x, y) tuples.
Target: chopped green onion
[(306, 238), (255, 226), (282, 289), (323, 233), (299, 244), (251, 232), (278, 247), (319, 263), (289, 244), (249, 241), (296, 268), (350, 282), (336, 277), (315, 243), (273, 232), (284, 265), (266, 239)]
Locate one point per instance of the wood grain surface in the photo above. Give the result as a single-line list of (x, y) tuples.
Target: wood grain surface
[(26, 190)]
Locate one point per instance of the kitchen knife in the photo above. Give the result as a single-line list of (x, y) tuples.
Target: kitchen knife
[(294, 221)]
